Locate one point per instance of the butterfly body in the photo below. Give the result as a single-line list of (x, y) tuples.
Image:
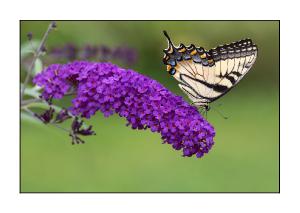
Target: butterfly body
[(207, 75)]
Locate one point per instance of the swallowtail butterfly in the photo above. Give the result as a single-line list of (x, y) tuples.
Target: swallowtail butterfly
[(206, 75)]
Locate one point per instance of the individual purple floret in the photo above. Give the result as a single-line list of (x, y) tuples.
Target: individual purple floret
[(62, 116), (144, 102)]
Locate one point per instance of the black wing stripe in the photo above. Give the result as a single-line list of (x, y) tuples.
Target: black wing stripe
[(220, 88), (231, 79), (211, 86), (236, 73), (188, 91), (215, 87), (190, 87)]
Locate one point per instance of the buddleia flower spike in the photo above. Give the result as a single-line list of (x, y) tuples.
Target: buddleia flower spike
[(143, 102)]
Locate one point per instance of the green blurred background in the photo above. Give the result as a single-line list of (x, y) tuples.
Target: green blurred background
[(245, 157)]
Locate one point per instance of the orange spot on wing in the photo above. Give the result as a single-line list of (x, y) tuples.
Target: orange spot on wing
[(203, 55), (194, 52), (168, 67), (182, 50)]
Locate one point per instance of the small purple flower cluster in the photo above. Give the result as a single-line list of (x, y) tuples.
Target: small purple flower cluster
[(76, 128), (71, 52), (142, 101)]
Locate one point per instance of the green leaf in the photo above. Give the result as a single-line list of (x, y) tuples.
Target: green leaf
[(38, 66), (26, 117), (29, 47), (32, 91), (44, 106)]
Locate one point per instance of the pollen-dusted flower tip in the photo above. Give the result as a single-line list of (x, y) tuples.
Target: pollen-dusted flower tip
[(144, 102)]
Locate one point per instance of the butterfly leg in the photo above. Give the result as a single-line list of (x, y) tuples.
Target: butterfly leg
[(205, 112)]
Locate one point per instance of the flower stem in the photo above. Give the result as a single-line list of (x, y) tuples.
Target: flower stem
[(53, 124), (51, 26), (75, 138)]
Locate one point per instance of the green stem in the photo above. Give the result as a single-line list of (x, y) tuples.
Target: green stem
[(38, 100), (36, 55), (29, 101), (53, 124)]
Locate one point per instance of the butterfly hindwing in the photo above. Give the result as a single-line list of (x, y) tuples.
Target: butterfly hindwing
[(207, 75)]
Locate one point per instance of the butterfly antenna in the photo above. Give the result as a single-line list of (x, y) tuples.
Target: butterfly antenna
[(219, 112), (168, 37)]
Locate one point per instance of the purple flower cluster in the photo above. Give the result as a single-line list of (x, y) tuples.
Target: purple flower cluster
[(71, 52), (142, 101)]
